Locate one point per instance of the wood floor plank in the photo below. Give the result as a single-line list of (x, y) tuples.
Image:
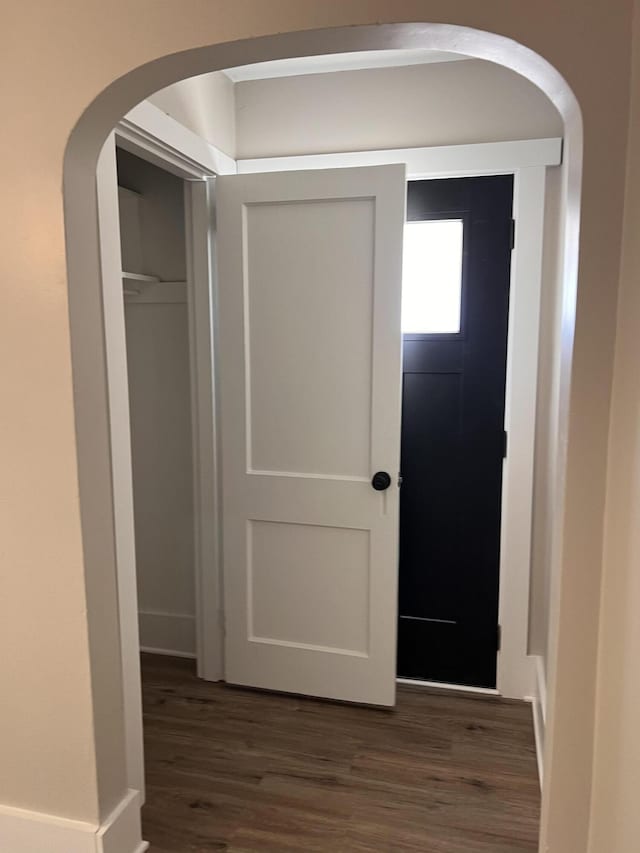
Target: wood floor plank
[(243, 771)]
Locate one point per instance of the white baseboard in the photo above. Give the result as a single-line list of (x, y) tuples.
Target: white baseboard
[(121, 831), (539, 710), (24, 831), (168, 633), (149, 650)]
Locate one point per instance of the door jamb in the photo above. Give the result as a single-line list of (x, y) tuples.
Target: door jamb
[(200, 224)]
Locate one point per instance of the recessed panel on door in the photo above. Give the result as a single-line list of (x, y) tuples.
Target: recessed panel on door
[(309, 586), (309, 326)]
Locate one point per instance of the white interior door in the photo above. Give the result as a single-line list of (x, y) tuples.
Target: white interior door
[(310, 383)]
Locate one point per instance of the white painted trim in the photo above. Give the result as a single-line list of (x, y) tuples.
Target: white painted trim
[(440, 685), (200, 213), (539, 710), (168, 633), (538, 734), (24, 831), (120, 458), (447, 161), (121, 831), (169, 653), (515, 672), (150, 133)]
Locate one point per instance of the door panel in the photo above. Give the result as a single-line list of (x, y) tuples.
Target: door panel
[(310, 337), (452, 446), (310, 386), (293, 566)]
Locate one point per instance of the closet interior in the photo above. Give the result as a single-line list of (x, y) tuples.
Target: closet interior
[(154, 282)]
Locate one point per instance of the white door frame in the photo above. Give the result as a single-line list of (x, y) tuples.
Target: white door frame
[(120, 457), (200, 226), (153, 135), (527, 160)]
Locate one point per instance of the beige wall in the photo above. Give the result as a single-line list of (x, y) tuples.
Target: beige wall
[(433, 104), (204, 104), (54, 573), (616, 812)]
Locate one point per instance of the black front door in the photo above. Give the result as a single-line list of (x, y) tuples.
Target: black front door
[(454, 369)]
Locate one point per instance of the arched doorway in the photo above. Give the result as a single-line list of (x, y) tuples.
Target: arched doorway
[(92, 401)]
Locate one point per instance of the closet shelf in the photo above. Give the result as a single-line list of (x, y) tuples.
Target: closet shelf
[(136, 276), (149, 290)]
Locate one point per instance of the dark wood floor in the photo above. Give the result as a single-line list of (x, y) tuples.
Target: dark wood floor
[(237, 770)]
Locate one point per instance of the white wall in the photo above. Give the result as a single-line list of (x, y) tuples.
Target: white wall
[(433, 104), (204, 104), (160, 411), (161, 226), (159, 399)]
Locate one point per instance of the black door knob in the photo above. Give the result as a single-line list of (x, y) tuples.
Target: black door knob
[(381, 481)]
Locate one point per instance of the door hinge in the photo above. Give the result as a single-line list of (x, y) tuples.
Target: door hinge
[(499, 637), (505, 439), (513, 233)]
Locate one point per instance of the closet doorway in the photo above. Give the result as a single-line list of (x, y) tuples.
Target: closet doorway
[(153, 247), (156, 225)]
